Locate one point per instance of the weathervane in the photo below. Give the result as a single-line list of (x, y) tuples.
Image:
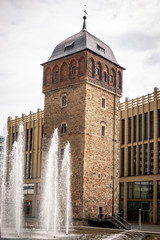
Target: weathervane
[(84, 17), (85, 13)]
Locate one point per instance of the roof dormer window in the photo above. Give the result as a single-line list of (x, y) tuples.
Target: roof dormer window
[(68, 46), (100, 48)]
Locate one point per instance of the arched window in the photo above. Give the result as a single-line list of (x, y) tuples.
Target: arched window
[(81, 66), (119, 80), (103, 129), (106, 74), (105, 77), (63, 128), (47, 77), (63, 72), (103, 102), (55, 74), (99, 71), (64, 100), (91, 68), (72, 69), (112, 78)]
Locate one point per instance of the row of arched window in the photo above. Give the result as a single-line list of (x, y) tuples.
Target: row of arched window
[(95, 70), (62, 73), (104, 74)]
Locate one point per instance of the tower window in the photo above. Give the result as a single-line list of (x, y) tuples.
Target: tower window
[(103, 130), (100, 215), (73, 69), (100, 48), (110, 78), (103, 102), (63, 128), (105, 77), (64, 101), (62, 153), (56, 75), (69, 46), (97, 71)]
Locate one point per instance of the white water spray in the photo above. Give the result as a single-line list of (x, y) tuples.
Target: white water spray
[(56, 204), (3, 178), (13, 199), (65, 186), (50, 203)]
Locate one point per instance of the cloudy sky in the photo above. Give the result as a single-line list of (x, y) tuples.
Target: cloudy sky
[(30, 29)]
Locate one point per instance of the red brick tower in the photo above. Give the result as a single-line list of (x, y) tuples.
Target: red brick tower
[(82, 83)]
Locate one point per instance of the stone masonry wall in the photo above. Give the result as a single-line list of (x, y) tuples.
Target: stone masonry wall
[(73, 114), (98, 160)]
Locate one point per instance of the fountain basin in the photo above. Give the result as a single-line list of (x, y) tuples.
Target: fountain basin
[(78, 233)]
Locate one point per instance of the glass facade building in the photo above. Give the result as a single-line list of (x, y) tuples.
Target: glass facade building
[(140, 158)]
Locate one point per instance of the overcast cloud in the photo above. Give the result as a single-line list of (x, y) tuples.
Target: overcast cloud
[(30, 29)]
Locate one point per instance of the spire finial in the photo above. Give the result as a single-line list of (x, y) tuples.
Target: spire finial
[(84, 17)]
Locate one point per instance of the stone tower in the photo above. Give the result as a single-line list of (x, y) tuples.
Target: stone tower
[(82, 83)]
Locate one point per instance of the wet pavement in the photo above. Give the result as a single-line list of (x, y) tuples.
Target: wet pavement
[(146, 227)]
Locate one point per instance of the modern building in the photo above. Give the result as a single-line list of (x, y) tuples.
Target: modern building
[(140, 158), (33, 134), (82, 83)]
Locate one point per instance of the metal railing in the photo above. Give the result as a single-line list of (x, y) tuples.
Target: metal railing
[(123, 221), (139, 101)]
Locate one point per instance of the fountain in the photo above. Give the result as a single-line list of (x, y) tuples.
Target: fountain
[(56, 203), (64, 187), (3, 178), (49, 202), (12, 186), (56, 211)]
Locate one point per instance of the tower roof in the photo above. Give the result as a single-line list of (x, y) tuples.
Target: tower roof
[(80, 42)]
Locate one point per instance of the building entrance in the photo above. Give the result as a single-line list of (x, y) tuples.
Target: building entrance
[(146, 211)]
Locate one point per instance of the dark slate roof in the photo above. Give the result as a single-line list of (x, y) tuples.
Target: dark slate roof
[(82, 41)]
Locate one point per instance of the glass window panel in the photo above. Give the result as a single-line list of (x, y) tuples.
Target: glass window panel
[(31, 138), (130, 205), (134, 128), (122, 162), (121, 190), (130, 190), (136, 190), (129, 130), (150, 196), (158, 122), (123, 130), (136, 205), (144, 190), (129, 161), (152, 125), (158, 189), (158, 157), (145, 159), (140, 159), (151, 158), (145, 126), (145, 205), (134, 160), (140, 127)]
